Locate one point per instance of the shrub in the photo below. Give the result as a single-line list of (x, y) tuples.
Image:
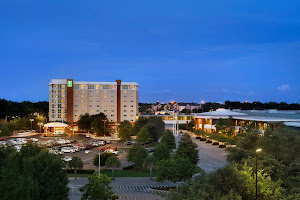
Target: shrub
[(81, 171), (129, 167)]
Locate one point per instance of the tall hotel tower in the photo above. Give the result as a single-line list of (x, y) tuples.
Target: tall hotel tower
[(69, 99)]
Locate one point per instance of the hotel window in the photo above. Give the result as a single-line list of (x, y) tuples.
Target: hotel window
[(52, 116), (105, 91), (59, 105), (83, 87), (112, 106), (112, 87), (105, 110), (125, 110), (97, 101), (91, 106), (76, 87), (63, 101), (125, 91), (82, 106), (82, 110), (59, 116), (97, 110), (112, 91), (75, 115), (82, 91), (52, 105), (125, 106), (131, 110), (125, 101), (105, 96), (112, 101), (76, 110), (53, 111), (91, 100), (76, 100), (75, 90), (125, 87), (131, 91), (105, 87), (125, 115), (112, 115), (131, 101), (131, 106), (63, 86), (91, 96), (91, 87), (131, 87), (97, 105), (131, 96), (131, 115), (105, 106), (82, 96), (91, 110), (76, 105), (112, 111), (112, 96), (82, 101), (105, 101), (97, 87), (97, 92), (75, 95), (125, 96)]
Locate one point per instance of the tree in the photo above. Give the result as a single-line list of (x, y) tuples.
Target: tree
[(156, 127), (143, 136), (75, 163), (84, 122), (139, 124), (137, 154), (175, 169), (103, 158), (113, 162), (168, 139), (27, 173), (126, 131), (191, 125), (161, 152), (150, 162), (97, 123), (97, 188), (187, 149)]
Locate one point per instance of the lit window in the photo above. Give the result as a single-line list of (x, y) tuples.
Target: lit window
[(82, 110), (91, 110), (75, 115), (105, 106), (112, 111), (76, 110), (125, 96), (82, 101), (91, 106), (105, 96), (75, 90), (125, 101), (112, 106), (125, 91), (76, 120), (105, 91), (131, 115), (82, 106), (82, 91), (82, 96)]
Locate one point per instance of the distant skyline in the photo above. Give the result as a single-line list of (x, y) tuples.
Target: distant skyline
[(176, 50)]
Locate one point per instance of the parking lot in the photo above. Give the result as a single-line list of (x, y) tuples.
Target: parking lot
[(79, 145)]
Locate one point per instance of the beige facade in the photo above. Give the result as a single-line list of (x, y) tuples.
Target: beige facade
[(93, 98)]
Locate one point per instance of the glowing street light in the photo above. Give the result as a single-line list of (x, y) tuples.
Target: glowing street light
[(257, 151)]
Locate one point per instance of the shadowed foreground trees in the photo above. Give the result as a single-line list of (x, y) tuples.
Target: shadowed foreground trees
[(31, 174)]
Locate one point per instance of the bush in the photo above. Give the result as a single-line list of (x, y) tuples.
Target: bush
[(81, 171), (129, 167), (208, 141), (215, 143), (222, 146)]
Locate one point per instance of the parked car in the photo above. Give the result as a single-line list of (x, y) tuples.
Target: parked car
[(67, 150), (66, 158), (34, 139), (101, 142), (112, 151), (107, 141), (87, 136), (105, 148), (128, 143), (151, 150)]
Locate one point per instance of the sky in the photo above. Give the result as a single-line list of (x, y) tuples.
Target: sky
[(175, 50)]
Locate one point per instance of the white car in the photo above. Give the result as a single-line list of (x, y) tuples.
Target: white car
[(101, 142), (34, 139), (87, 136), (66, 158), (67, 150), (112, 151)]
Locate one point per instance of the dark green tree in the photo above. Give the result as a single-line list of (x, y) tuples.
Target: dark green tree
[(113, 162), (84, 122), (27, 173), (150, 162), (75, 163), (143, 136), (125, 131), (98, 188), (97, 123), (187, 149), (103, 158), (139, 124), (161, 152), (137, 154), (168, 139)]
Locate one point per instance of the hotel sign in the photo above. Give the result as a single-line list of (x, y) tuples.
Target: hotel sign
[(70, 83)]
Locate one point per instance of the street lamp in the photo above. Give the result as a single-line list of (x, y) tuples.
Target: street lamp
[(31, 120), (73, 131), (40, 127), (104, 120), (257, 151)]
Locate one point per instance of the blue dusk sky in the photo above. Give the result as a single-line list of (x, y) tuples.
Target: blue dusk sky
[(176, 50)]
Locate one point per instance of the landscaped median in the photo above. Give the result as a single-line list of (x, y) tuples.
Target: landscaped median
[(127, 172), (217, 139)]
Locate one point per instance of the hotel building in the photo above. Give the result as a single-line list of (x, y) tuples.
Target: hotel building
[(69, 99)]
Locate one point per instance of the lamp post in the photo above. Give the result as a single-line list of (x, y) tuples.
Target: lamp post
[(31, 120), (99, 165), (257, 150), (104, 120), (40, 127)]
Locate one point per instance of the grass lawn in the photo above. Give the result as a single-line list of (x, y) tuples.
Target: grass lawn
[(122, 173)]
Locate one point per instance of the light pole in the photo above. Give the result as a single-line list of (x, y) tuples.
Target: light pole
[(73, 131), (99, 165), (31, 120), (104, 120), (257, 150), (40, 127)]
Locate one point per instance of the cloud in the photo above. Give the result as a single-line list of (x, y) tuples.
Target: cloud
[(283, 87)]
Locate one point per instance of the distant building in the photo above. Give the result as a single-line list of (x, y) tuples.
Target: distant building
[(69, 99)]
